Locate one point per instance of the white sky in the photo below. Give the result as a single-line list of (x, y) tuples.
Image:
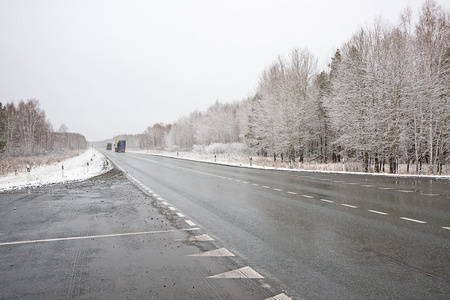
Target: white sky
[(109, 67)]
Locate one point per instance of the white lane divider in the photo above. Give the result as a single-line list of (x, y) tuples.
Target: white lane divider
[(448, 228), (326, 200), (180, 215), (164, 202), (349, 205), (307, 196), (265, 186), (278, 190), (292, 193), (413, 220), (245, 272), (216, 253), (172, 208), (377, 212)]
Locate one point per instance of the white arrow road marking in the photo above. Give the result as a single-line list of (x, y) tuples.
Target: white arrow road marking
[(245, 272), (217, 252), (281, 296)]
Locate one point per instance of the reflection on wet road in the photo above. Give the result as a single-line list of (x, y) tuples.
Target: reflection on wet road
[(320, 235)]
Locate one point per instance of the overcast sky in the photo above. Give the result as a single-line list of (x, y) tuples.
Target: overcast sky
[(109, 67)]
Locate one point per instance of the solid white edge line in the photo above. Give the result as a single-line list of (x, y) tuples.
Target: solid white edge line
[(413, 220), (96, 236), (377, 212)]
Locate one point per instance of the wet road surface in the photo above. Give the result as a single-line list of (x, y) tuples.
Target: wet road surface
[(317, 235), (105, 239)]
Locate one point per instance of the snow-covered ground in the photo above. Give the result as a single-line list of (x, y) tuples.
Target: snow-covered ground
[(75, 169), (267, 163)]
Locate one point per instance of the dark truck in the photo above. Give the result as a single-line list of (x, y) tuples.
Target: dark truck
[(108, 146), (121, 146)]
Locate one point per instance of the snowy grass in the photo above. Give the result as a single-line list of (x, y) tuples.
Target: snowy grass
[(48, 170), (243, 160)]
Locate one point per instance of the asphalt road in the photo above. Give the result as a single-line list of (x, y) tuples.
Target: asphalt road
[(103, 238), (316, 235)]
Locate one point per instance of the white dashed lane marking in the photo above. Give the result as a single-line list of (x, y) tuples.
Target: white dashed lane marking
[(180, 215), (448, 228), (172, 208), (281, 296), (198, 238), (245, 272), (189, 222), (266, 187), (307, 196), (292, 193), (349, 205), (377, 212), (217, 253), (278, 190), (326, 200), (413, 220)]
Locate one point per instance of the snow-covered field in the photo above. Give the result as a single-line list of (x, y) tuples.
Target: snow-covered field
[(75, 169)]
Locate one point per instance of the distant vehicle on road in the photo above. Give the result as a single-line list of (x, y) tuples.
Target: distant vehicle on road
[(120, 146), (108, 146)]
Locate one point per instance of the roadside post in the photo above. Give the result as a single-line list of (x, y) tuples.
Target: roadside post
[(62, 171), (250, 161), (28, 172), (87, 167), (215, 158)]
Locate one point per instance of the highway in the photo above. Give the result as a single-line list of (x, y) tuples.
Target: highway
[(317, 235)]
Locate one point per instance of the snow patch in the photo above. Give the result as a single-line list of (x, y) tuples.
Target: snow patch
[(75, 169)]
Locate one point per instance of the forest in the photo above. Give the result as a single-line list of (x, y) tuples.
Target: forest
[(25, 131), (383, 101)]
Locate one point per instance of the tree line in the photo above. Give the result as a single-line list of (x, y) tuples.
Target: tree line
[(384, 100), (25, 131)]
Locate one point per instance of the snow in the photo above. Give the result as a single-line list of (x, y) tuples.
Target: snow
[(267, 164), (75, 169)]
